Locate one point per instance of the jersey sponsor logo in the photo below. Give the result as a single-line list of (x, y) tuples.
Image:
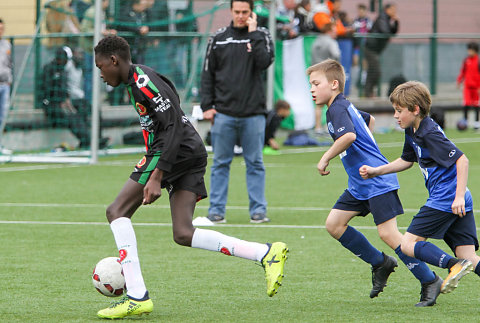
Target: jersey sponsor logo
[(330, 127), (141, 162), (162, 104), (142, 80), (340, 129), (141, 109), (452, 153)]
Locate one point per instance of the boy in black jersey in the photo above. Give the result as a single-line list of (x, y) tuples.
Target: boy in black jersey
[(176, 159)]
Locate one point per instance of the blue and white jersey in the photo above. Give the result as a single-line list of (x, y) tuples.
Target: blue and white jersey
[(343, 117), (437, 157)]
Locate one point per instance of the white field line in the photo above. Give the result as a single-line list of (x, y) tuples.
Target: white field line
[(203, 207), (264, 226), (282, 152), (256, 226)]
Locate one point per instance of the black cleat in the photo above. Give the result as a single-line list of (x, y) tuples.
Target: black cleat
[(380, 274), (430, 292)]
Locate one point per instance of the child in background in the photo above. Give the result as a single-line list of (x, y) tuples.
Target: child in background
[(470, 76), (274, 118)]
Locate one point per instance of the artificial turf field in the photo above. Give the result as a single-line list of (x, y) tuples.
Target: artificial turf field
[(53, 231)]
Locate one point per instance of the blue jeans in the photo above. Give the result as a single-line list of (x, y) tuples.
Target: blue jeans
[(250, 131), (4, 99)]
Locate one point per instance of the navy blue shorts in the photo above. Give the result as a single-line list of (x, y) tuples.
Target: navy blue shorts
[(436, 224), (186, 175), (383, 207)]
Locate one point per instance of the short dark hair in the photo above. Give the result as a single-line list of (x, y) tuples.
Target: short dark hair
[(1, 21), (473, 46), (250, 3), (362, 6), (282, 104), (113, 45)]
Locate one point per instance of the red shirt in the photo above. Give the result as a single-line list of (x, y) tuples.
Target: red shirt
[(470, 72)]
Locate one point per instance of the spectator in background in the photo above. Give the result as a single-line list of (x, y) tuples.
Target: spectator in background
[(136, 19), (302, 12), (75, 81), (236, 58), (5, 82), (288, 28), (361, 25), (470, 76), (272, 123), (387, 25), (79, 7), (60, 18), (86, 43), (56, 99), (324, 47)]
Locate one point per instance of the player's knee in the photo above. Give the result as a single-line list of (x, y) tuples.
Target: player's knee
[(112, 213), (183, 237), (333, 228)]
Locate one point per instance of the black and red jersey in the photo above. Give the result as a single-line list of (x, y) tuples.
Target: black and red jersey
[(166, 129)]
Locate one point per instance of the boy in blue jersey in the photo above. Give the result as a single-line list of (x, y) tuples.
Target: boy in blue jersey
[(448, 212), (355, 144)]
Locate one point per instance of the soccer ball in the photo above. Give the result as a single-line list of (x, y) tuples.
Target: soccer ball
[(462, 125), (108, 277)]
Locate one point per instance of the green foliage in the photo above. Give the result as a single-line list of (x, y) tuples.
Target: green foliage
[(46, 264)]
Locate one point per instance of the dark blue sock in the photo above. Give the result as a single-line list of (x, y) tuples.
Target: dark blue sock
[(477, 269), (356, 242), (431, 254), (418, 268)]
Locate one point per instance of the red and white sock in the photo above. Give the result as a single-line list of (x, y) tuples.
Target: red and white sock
[(216, 241), (126, 240)]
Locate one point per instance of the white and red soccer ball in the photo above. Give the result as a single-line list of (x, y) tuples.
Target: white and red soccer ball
[(108, 277)]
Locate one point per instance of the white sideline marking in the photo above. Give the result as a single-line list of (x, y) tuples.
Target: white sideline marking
[(269, 226), (159, 206)]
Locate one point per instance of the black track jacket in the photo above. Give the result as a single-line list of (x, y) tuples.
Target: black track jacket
[(232, 80), (166, 129)]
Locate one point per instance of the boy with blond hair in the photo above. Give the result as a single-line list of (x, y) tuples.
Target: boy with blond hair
[(448, 212), (355, 144)]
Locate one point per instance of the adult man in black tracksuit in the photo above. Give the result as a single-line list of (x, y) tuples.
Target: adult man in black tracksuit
[(233, 97), (387, 24)]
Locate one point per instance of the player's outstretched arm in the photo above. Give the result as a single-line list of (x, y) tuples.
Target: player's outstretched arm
[(338, 147), (458, 205), (396, 166)]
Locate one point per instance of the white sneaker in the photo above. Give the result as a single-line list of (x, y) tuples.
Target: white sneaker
[(476, 125)]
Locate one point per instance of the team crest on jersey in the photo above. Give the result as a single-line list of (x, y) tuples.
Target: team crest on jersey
[(249, 47), (141, 162), (142, 80), (141, 109), (330, 127)]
